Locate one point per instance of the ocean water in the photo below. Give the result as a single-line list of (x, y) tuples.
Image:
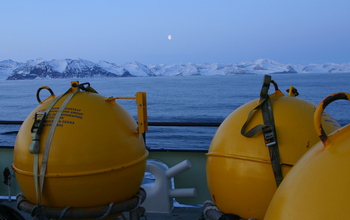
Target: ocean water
[(176, 99)]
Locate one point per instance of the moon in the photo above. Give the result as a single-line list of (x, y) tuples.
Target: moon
[(169, 36)]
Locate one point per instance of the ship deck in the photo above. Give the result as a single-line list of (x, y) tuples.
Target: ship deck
[(170, 157), (178, 213)]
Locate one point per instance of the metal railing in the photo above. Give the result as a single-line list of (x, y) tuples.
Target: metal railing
[(196, 124), (159, 124), (11, 122)]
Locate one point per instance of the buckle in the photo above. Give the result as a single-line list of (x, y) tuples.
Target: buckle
[(38, 121), (269, 136)]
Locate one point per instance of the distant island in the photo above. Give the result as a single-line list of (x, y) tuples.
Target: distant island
[(81, 68)]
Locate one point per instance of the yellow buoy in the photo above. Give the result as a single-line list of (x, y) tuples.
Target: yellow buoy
[(240, 177), (79, 149), (318, 185)]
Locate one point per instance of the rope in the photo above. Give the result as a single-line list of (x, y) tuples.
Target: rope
[(107, 211), (98, 212), (20, 201), (210, 208), (209, 202), (139, 197), (140, 210), (33, 211), (64, 212)]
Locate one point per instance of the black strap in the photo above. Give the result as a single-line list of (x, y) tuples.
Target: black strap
[(268, 128)]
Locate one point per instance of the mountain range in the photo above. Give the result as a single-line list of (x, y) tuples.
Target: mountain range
[(81, 68)]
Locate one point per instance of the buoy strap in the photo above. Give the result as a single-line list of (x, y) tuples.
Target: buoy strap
[(49, 138), (268, 128), (39, 121), (38, 124), (34, 147)]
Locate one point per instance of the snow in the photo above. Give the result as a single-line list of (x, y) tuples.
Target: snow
[(137, 69), (7, 67), (80, 67), (58, 65), (326, 68), (111, 67)]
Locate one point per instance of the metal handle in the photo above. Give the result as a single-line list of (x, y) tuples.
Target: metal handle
[(319, 110), (141, 103), (38, 94)]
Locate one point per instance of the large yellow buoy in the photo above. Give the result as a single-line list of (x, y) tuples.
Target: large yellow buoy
[(240, 177), (318, 185), (79, 149)]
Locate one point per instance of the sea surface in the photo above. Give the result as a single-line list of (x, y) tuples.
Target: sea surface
[(176, 99)]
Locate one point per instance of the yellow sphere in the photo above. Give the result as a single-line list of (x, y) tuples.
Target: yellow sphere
[(96, 155), (318, 185), (239, 173)]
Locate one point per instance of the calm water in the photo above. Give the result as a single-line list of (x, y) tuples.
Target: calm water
[(177, 99)]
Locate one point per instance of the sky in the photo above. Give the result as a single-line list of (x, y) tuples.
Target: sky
[(221, 31)]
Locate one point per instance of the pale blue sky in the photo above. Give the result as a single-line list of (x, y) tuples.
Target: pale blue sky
[(222, 31)]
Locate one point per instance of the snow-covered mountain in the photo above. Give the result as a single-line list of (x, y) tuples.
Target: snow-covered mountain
[(80, 68), (7, 67)]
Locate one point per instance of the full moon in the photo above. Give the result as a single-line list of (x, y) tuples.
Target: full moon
[(169, 36)]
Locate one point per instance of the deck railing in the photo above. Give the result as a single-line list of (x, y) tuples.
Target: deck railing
[(165, 124)]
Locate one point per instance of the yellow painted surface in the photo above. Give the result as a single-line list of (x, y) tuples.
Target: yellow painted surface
[(239, 173), (318, 185), (96, 156)]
